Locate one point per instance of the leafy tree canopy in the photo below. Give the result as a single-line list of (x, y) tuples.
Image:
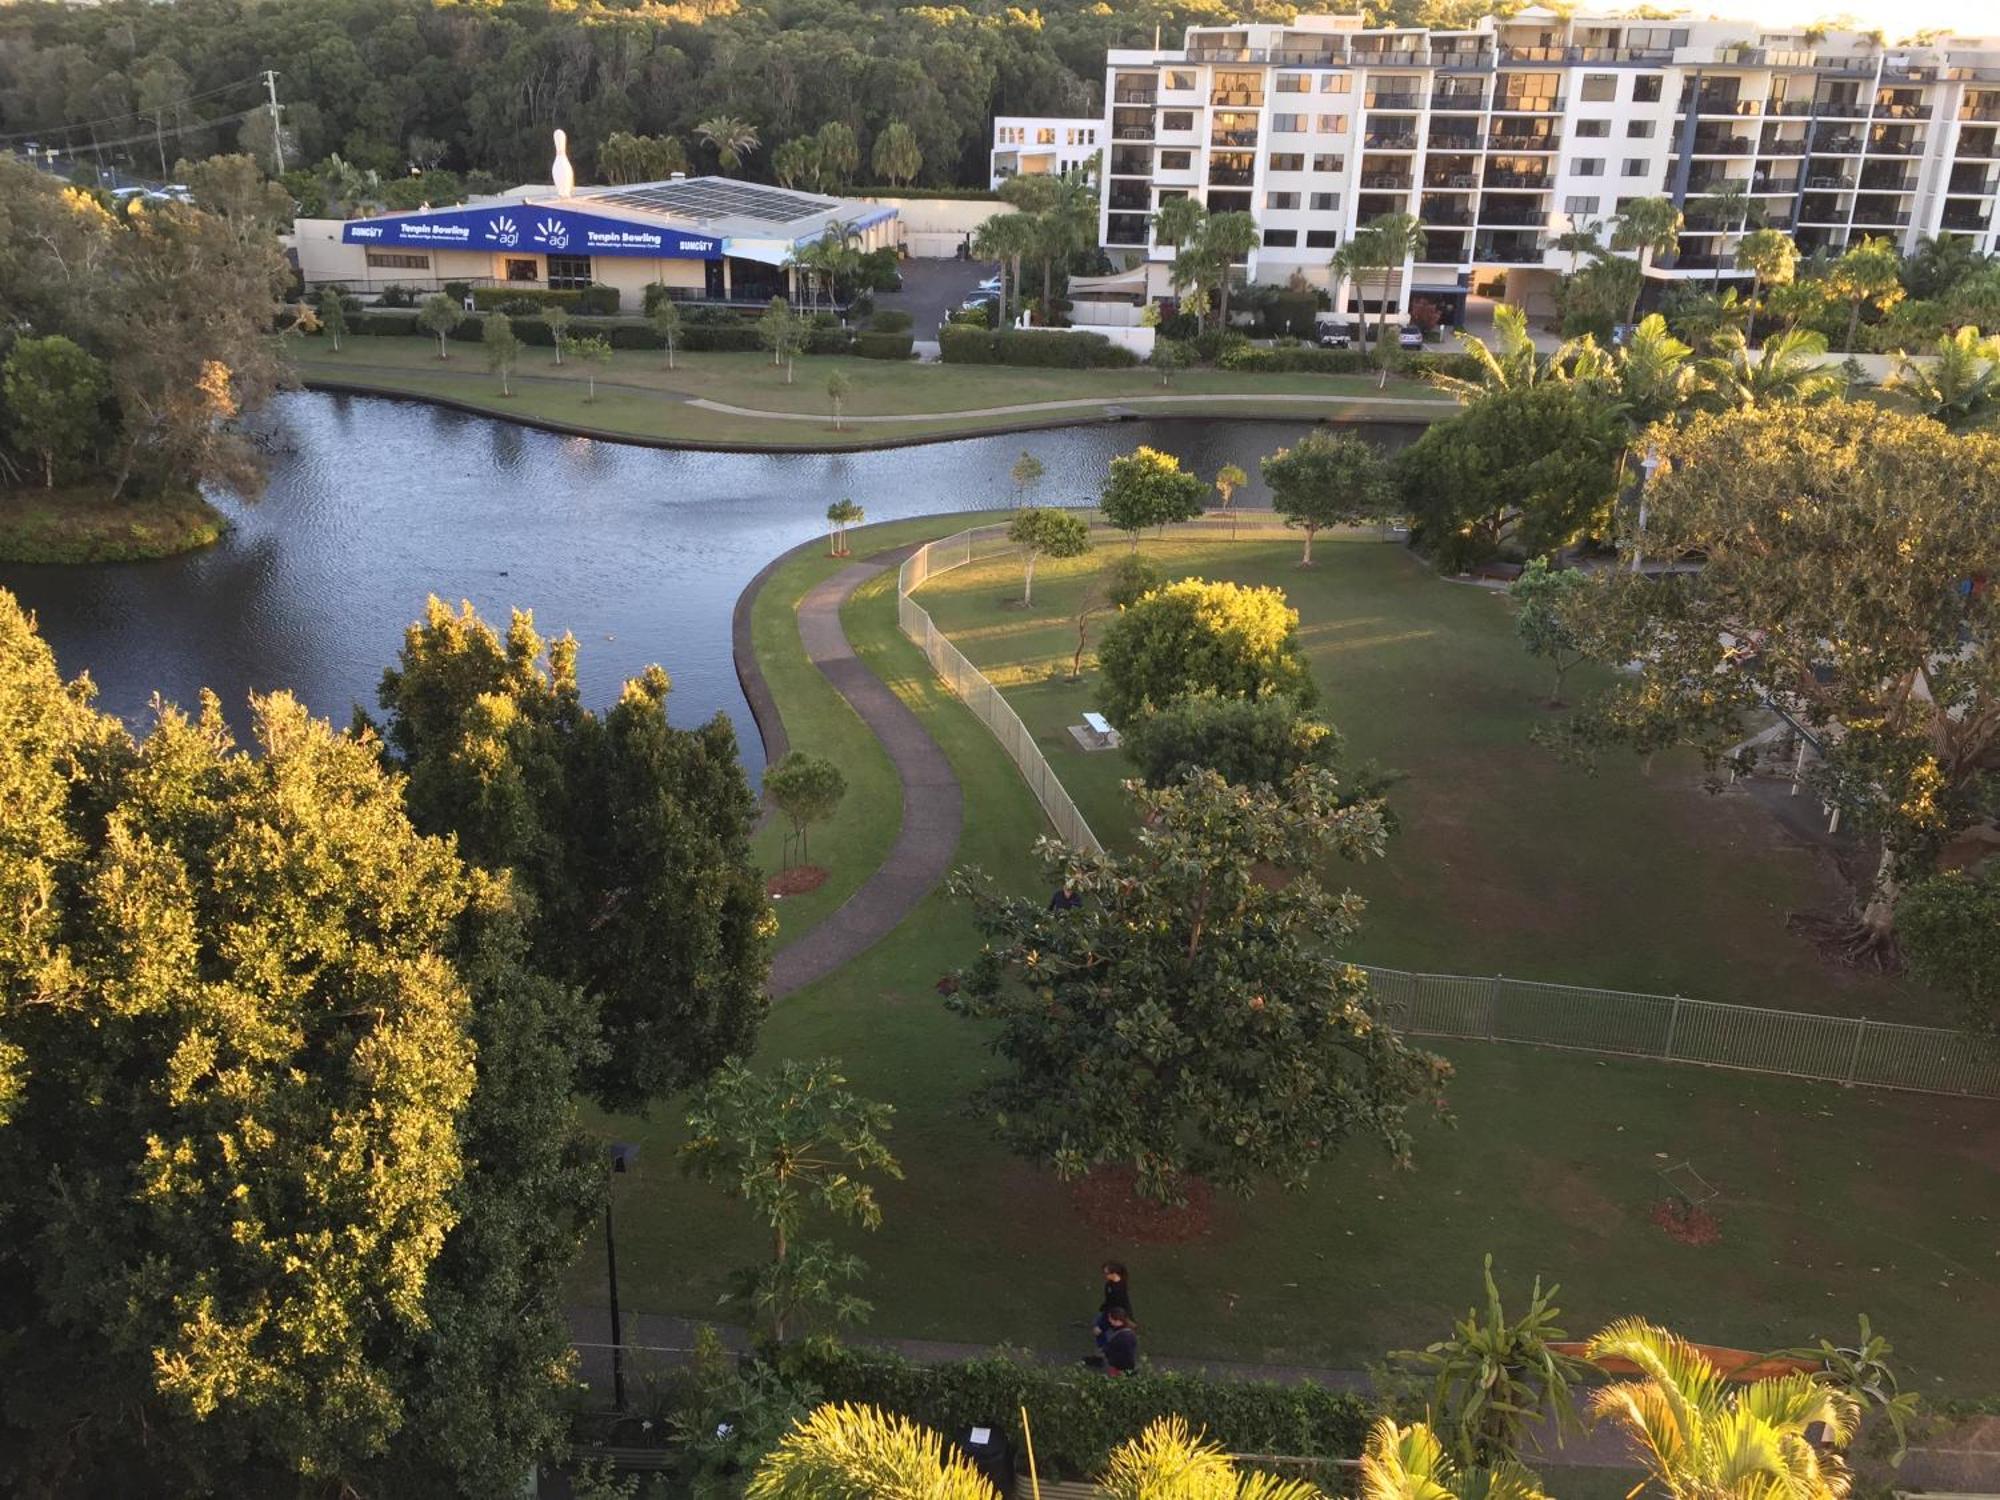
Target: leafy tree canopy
[(1329, 479), (1148, 488), (1194, 636)]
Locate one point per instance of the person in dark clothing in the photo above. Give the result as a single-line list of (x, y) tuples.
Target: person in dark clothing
[(1117, 1294), (1065, 899), (1121, 1344)]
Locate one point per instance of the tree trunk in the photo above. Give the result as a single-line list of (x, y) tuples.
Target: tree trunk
[(1307, 560), (1645, 260), (670, 351), (778, 1235), (48, 468), (789, 364), (1853, 323), (1878, 912), (441, 353), (593, 387), (1222, 301), (1048, 292), (1028, 581)]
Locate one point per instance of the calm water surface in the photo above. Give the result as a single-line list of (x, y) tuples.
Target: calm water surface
[(640, 552)]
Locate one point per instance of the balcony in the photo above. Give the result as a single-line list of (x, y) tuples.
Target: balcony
[(1461, 182), (1871, 218), (1470, 103), (1700, 263), (1964, 222), (1125, 229), (1534, 54), (1453, 140), (1788, 107), (1439, 213), (1388, 182), (1319, 57), (1539, 142), (1871, 183), (1902, 111), (1723, 145), (1765, 185), (1135, 196), (1978, 145), (1836, 145), (1702, 187), (1213, 54), (1525, 181), (1390, 140), (1135, 96), (1528, 104), (1409, 102), (1830, 182), (1231, 177), (1233, 140), (1129, 161), (1132, 133), (1461, 57), (1781, 148), (1509, 249), (1237, 98), (1895, 148), (1533, 218), (1964, 185), (1840, 109), (1398, 57), (1619, 54), (1727, 106)]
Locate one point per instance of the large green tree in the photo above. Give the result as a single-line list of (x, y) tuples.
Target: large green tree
[(630, 835), (1189, 1016), (1837, 542), (288, 1158), (1328, 479), (1149, 488), (1044, 532), (1194, 636), (1245, 741), (53, 394)]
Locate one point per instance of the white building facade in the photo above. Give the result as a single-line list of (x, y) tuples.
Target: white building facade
[(1030, 145), (1502, 137)]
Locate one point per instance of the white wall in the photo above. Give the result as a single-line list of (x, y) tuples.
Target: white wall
[(934, 228)]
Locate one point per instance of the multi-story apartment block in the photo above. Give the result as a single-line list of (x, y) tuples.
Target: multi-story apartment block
[(1024, 145), (1504, 136)]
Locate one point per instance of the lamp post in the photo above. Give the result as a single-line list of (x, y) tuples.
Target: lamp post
[(622, 1155), (1646, 467)]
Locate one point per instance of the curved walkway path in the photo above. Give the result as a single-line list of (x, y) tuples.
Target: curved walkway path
[(933, 805), (1077, 403)]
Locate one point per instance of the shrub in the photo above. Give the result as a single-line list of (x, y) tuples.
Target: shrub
[(712, 338), (1181, 327), (890, 320), (1246, 741), (1195, 636), (835, 340), (527, 300), (396, 295), (1297, 359), (1217, 344), (879, 345), (458, 291), (384, 325), (708, 314), (1041, 349), (1080, 1416), (861, 308), (599, 300), (959, 344)]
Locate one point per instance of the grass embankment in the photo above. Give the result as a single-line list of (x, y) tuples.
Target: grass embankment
[(1834, 1201), (83, 524), (1508, 860), (637, 396)]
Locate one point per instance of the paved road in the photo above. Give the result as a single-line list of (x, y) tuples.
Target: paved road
[(932, 288)]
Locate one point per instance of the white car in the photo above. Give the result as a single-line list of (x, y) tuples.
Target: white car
[(990, 286), (1412, 337)]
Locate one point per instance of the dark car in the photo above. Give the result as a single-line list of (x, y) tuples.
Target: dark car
[(1334, 336)]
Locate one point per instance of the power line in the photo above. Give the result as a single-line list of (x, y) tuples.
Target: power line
[(130, 114), (147, 137)]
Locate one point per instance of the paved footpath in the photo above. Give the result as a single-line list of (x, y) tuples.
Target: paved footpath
[(933, 806)]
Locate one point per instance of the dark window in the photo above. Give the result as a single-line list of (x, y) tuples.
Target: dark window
[(1598, 87), (1646, 89), (523, 270), (1321, 239), (1281, 238), (1593, 128), (399, 260), (569, 273), (1287, 161), (1176, 161), (1177, 119)]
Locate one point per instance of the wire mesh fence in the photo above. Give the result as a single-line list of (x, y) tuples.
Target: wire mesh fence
[(1839, 1049)]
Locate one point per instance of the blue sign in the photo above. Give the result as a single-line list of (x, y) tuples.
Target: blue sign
[(526, 227)]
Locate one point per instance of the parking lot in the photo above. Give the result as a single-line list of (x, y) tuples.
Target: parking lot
[(932, 288)]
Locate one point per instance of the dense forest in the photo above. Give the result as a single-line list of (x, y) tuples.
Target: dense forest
[(392, 85)]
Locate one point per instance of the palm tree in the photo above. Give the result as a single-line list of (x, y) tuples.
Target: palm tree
[(1362, 254), (1654, 375), (1169, 1462), (1770, 256), (1226, 239), (1511, 362), (1962, 389), (1868, 272), (1703, 1441), (1733, 209), (1650, 226), (1410, 1463), (1066, 223), (1179, 223), (1785, 371), (1401, 238), (1585, 236), (1006, 238), (730, 138), (863, 1450)]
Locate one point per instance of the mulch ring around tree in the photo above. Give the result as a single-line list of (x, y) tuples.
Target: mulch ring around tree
[(796, 881), (1686, 1223), (1108, 1201)]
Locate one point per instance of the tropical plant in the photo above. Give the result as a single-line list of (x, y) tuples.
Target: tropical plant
[(1960, 387), (1167, 357), (1043, 533), (1702, 1440), (1224, 240), (1650, 227), (730, 138), (1585, 236), (1496, 1377), (837, 155), (1787, 370), (1868, 274), (1862, 1369), (791, 1142), (1170, 1461), (1395, 239), (1409, 1463), (1062, 217), (839, 516), (1510, 362), (848, 1452), (1008, 239), (795, 162), (1770, 256), (897, 157), (1732, 208)]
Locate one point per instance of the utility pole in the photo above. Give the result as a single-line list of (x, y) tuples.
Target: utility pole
[(277, 125)]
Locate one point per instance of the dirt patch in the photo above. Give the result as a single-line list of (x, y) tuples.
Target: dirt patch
[(796, 881), (1108, 1201), (1685, 1223)]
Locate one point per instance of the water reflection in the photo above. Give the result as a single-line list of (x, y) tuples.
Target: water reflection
[(375, 503)]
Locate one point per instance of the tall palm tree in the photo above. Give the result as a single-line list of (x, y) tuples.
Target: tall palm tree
[(1786, 371), (1868, 272), (730, 138), (1401, 237), (1511, 362), (1226, 239), (1065, 222), (1585, 236), (1654, 375), (1734, 210), (1410, 1463), (1961, 389), (1180, 223), (1702, 1440), (1006, 238), (1363, 253), (1649, 226)]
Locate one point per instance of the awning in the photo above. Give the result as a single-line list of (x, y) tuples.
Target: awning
[(764, 252)]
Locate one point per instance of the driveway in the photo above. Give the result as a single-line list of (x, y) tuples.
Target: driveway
[(932, 288)]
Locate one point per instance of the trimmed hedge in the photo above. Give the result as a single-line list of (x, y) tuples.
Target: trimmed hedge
[(1042, 349), (384, 324), (590, 299), (890, 320), (1080, 1415), (880, 345)]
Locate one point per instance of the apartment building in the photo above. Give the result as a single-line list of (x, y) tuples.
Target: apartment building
[(1025, 145), (1501, 137)]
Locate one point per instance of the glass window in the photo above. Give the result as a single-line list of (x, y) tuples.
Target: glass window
[(1325, 202), (1639, 130), (1580, 207), (1045, 135), (569, 273), (1321, 239), (1646, 89), (1281, 200), (1179, 78), (1283, 239), (1287, 161), (1593, 128), (393, 260), (1294, 83), (1176, 161), (1636, 166), (1599, 87), (1177, 119), (522, 270), (1288, 124), (1336, 162), (1589, 166), (1331, 124), (1336, 83)]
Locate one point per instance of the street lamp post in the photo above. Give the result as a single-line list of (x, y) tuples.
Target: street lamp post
[(622, 1155)]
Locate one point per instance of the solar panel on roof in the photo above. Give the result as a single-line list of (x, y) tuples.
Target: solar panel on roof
[(715, 200)]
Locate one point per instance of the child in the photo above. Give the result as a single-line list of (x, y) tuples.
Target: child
[(1121, 1343), (1117, 1294)]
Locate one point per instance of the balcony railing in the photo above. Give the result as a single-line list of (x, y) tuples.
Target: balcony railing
[(1868, 218), (1321, 58), (1512, 216), (1971, 187), (1237, 98), (1390, 140), (1445, 140), (1127, 198), (1410, 102), (1830, 182), (1462, 102), (1836, 145), (1619, 54), (1234, 140), (1536, 181), (1723, 145), (1978, 146), (1509, 249), (1453, 181), (1704, 187), (1134, 96), (1388, 181), (1214, 54), (1781, 148), (1841, 109), (1887, 184), (1766, 186), (1528, 104), (1461, 57), (1132, 133), (1979, 111), (1788, 107), (1965, 223), (1230, 177), (1400, 57), (1895, 148), (1550, 142), (1429, 215), (1902, 111), (1700, 263), (1534, 54)]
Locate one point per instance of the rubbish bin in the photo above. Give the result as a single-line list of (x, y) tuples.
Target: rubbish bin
[(992, 1453)]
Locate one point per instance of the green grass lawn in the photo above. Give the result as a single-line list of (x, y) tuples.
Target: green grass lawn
[(638, 396), (83, 524), (1834, 1201), (1507, 861)]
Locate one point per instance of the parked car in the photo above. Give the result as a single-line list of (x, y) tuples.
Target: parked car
[(1334, 336), (991, 286), (978, 300), (1412, 337)]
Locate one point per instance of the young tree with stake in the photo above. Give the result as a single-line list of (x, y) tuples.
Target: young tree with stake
[(837, 387), (806, 789), (839, 516), (332, 312), (502, 346), (439, 315), (1026, 474), (666, 320), (594, 350)]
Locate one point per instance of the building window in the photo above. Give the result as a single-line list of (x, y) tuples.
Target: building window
[(1598, 88), (522, 270), (1322, 239), (1580, 208), (1045, 135), (1288, 124), (1325, 203), (1593, 128), (1636, 166), (1281, 239), (1589, 166), (1330, 163), (569, 273), (1331, 124), (1639, 130), (390, 260), (1336, 83), (1177, 119), (1287, 161), (1281, 200), (1178, 78), (1294, 83), (1646, 89), (1176, 161)]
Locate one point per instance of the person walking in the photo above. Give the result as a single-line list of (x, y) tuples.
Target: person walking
[(1121, 1343), (1117, 1295)]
